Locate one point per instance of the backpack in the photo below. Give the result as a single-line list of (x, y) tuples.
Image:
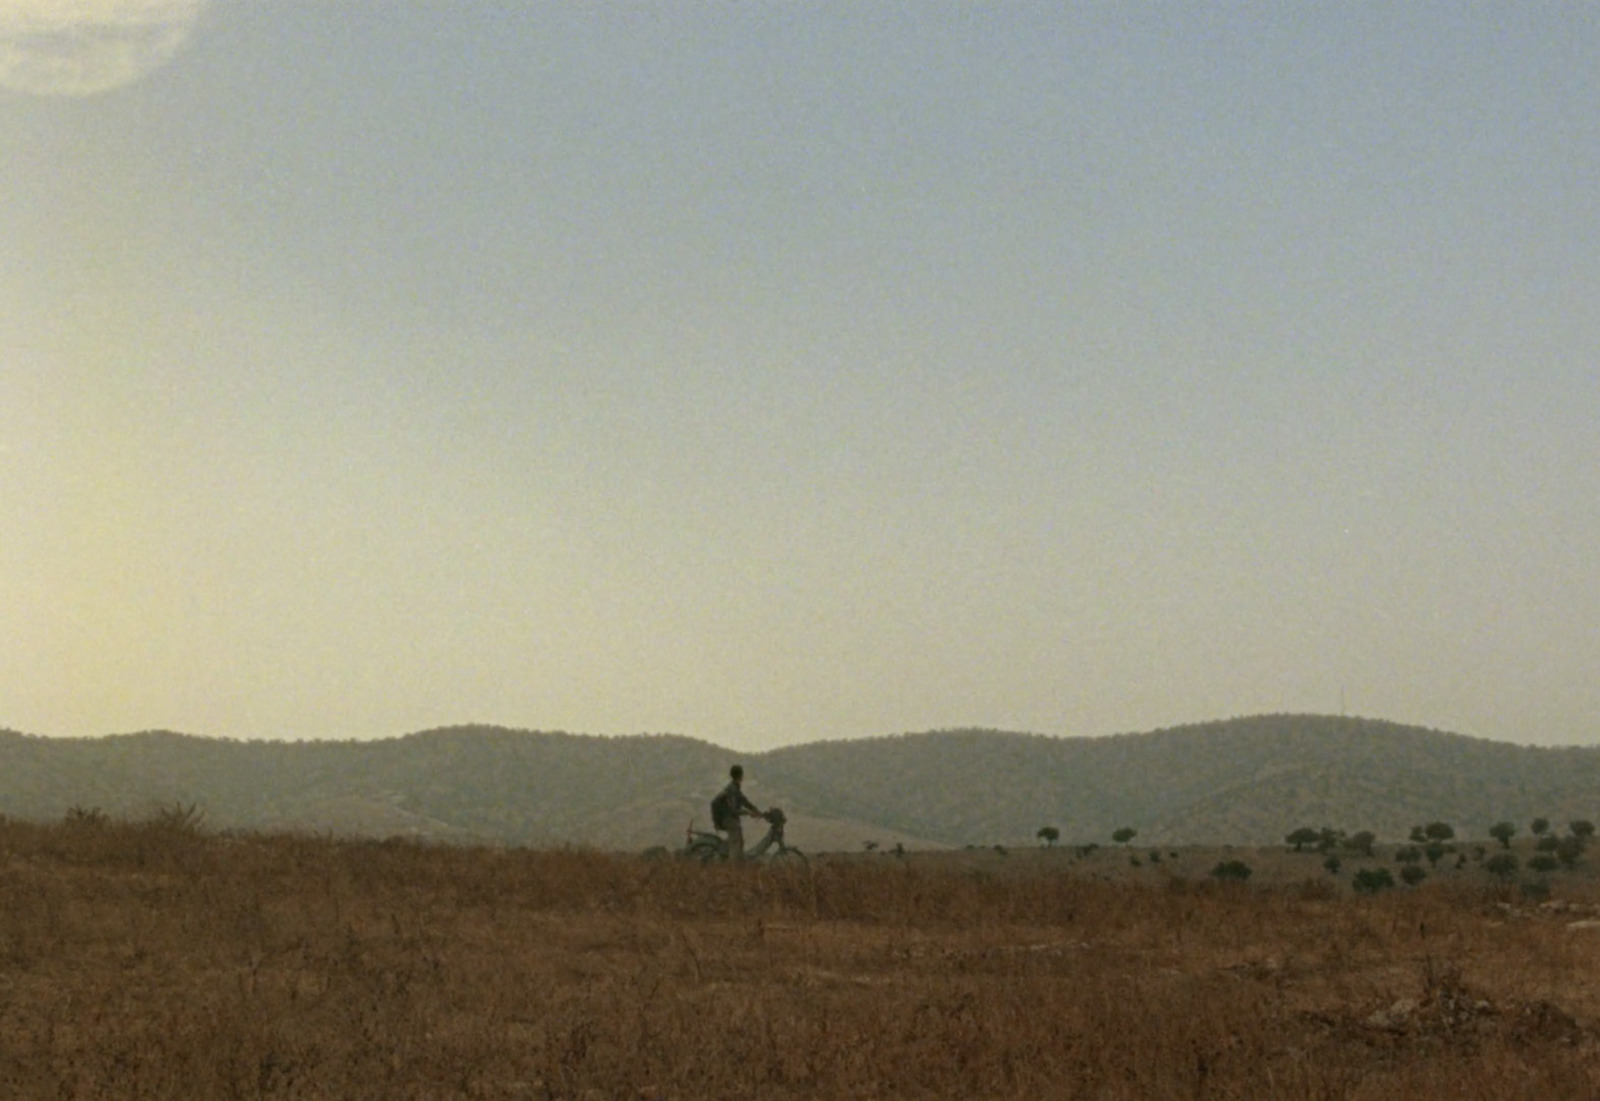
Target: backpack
[(722, 811)]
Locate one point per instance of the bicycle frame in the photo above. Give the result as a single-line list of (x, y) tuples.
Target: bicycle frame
[(706, 846)]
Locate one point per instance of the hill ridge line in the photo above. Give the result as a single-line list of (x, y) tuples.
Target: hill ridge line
[(1246, 780)]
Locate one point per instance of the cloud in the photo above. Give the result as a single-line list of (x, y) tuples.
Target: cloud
[(81, 47)]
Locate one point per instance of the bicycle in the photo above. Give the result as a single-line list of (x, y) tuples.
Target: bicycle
[(706, 847)]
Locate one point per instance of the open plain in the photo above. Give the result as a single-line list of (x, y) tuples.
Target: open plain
[(156, 960)]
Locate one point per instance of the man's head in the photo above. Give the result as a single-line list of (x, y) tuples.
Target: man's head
[(737, 772)]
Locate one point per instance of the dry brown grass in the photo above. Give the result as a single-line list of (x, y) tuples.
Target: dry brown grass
[(155, 961)]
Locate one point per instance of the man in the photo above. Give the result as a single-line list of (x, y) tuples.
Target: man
[(728, 808)]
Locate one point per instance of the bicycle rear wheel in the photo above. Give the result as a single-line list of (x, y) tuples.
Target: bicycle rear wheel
[(704, 850)]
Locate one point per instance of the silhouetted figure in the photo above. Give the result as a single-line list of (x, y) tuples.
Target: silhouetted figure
[(729, 808)]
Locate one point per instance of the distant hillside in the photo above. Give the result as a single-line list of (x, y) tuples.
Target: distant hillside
[(1242, 781), (469, 782)]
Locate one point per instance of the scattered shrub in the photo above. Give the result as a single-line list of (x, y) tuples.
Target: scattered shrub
[(1369, 881), (1438, 831), (1234, 871), (1569, 850), (1504, 865)]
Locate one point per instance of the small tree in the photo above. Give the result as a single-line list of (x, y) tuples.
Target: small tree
[(1503, 865), (1408, 854), (1361, 841), (1543, 862), (1124, 835), (1539, 826), (1328, 839), (1581, 827), (1434, 851), (1569, 850), (1049, 835), (1503, 832), (1302, 837), (1438, 831), (1369, 881), (1413, 874), (1332, 863), (1549, 843), (1419, 835)]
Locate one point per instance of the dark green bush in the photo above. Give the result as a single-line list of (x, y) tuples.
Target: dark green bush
[(1235, 871), (1369, 881)]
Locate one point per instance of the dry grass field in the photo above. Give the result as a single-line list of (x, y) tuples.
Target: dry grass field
[(153, 960)]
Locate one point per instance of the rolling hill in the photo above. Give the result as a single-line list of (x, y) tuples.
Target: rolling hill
[(1240, 781)]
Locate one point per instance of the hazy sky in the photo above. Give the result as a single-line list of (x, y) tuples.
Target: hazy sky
[(769, 372)]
